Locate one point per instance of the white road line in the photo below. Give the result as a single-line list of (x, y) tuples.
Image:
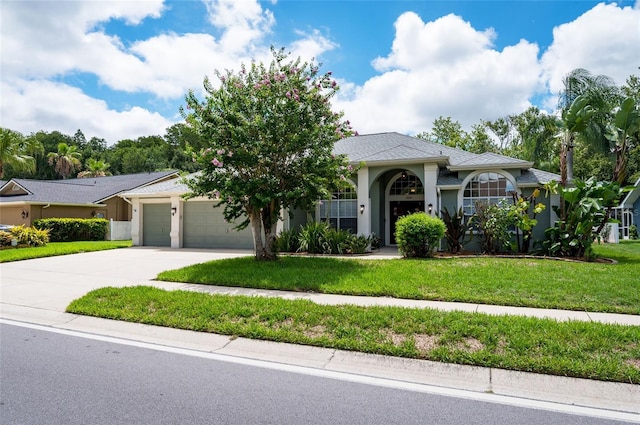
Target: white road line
[(345, 376)]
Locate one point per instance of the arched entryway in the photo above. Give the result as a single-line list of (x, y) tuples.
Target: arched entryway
[(405, 195)]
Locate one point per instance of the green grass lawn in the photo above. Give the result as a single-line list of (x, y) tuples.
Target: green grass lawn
[(578, 349), (541, 283), (58, 248)]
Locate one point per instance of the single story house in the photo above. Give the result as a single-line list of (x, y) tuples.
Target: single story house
[(400, 174), (23, 200)]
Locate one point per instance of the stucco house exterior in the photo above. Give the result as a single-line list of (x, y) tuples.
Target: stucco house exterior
[(400, 174), (24, 200), (628, 213)]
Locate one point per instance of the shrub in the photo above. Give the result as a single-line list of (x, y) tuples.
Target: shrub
[(633, 232), (312, 237), (287, 241), (336, 241), (24, 236), (494, 223), (457, 229), (358, 244), (583, 213), (418, 234), (74, 229)]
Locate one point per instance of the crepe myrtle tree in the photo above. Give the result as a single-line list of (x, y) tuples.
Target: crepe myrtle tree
[(270, 132)]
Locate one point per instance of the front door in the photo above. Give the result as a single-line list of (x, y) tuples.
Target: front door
[(399, 209)]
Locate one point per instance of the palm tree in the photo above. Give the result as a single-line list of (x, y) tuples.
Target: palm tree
[(14, 152), (95, 168), (602, 95), (66, 160)]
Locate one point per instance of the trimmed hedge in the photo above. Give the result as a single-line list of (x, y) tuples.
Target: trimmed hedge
[(74, 229)]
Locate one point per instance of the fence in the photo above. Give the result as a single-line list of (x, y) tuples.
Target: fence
[(119, 230)]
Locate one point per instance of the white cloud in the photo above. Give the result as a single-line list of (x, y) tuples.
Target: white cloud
[(604, 40), (442, 68), (30, 106)]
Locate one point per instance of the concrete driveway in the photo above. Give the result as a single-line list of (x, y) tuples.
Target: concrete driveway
[(52, 283)]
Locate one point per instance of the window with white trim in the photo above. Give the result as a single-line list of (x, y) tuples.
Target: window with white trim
[(341, 211), (487, 189)]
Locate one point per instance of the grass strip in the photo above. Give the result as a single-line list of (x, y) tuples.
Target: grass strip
[(525, 282), (58, 248), (578, 349)]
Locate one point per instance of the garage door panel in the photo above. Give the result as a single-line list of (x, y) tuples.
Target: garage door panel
[(156, 224), (205, 227)]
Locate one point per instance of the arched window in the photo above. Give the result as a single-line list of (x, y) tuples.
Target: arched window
[(407, 184), (485, 188), (341, 211)]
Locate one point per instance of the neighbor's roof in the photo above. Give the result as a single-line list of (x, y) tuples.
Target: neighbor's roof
[(76, 191)]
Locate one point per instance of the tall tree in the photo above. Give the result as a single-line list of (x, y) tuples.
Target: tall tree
[(14, 152), (271, 133), (445, 131), (66, 160), (536, 141), (602, 95)]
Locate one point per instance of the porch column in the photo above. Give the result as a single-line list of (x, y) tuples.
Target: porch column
[(176, 222), (364, 216), (135, 222), (430, 191)]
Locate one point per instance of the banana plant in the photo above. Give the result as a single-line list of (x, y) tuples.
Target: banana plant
[(621, 132), (575, 120)]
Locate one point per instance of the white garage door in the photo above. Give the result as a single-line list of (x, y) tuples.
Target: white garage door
[(156, 224), (204, 227)]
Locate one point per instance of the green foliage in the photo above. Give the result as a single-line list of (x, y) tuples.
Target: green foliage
[(312, 237), (271, 133), (14, 152), (24, 237), (633, 232), (74, 229), (494, 223), (419, 234), (287, 241), (458, 228), (583, 214), (523, 212)]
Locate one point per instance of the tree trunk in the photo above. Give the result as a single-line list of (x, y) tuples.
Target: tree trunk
[(256, 231)]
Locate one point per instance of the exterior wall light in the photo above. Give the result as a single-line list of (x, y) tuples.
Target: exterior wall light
[(362, 209), (25, 214), (430, 207), (174, 210)]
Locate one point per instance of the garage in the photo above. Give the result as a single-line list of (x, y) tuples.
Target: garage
[(205, 227), (156, 224)]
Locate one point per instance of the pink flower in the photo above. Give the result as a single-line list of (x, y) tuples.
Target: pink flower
[(220, 151), (216, 194), (230, 154), (216, 163)]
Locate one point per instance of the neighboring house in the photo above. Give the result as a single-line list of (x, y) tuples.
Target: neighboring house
[(628, 212), (23, 200), (401, 174)]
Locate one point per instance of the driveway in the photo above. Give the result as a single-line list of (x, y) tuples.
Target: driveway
[(52, 283)]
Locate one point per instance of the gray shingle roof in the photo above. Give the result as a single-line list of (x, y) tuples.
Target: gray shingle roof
[(81, 191), (535, 176), (396, 147), (165, 187), (489, 158)]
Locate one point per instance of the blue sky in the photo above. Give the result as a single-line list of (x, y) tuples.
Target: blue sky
[(120, 69)]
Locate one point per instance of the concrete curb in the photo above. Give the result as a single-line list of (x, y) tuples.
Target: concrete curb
[(556, 389)]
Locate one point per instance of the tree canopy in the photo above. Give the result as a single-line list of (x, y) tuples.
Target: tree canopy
[(270, 132)]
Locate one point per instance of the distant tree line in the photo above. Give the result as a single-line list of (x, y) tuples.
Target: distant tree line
[(532, 135)]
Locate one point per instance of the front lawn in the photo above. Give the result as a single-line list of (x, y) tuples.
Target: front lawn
[(540, 283), (578, 349), (58, 248)]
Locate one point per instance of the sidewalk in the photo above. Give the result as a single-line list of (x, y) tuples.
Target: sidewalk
[(38, 291)]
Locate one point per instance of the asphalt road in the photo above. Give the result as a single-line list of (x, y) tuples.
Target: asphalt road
[(52, 378)]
